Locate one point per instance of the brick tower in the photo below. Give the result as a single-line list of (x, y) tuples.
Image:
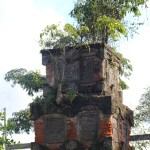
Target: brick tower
[(96, 118)]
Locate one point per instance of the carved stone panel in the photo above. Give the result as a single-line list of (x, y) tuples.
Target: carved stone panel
[(72, 71), (88, 126), (87, 70), (55, 129)]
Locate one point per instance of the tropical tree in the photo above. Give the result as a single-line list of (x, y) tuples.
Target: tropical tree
[(55, 36), (4, 132), (143, 109), (20, 122), (98, 21), (105, 19), (142, 119), (31, 81)]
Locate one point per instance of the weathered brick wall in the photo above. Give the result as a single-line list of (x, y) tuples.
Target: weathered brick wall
[(106, 128), (97, 71), (98, 112), (39, 131), (72, 129)]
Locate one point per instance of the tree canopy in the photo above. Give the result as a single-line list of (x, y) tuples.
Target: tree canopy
[(4, 131), (31, 81), (143, 109), (105, 19), (20, 122), (142, 119)]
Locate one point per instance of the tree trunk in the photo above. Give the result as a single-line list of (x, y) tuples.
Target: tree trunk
[(61, 80)]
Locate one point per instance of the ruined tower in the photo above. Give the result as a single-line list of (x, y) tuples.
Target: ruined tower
[(96, 117)]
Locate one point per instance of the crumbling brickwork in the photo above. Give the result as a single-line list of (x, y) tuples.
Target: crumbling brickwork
[(96, 117)]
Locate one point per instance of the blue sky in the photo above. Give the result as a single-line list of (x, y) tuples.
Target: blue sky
[(21, 22)]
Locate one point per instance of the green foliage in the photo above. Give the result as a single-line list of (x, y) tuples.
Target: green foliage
[(5, 142), (37, 99), (123, 85), (142, 120), (54, 36), (20, 122), (4, 129), (125, 70), (49, 101), (71, 95), (113, 27), (105, 18), (31, 81), (126, 67), (143, 109)]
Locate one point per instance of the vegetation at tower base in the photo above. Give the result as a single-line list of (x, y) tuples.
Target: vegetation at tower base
[(142, 119)]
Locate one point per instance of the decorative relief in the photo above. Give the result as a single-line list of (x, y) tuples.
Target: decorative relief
[(55, 129), (87, 70), (88, 126), (72, 71)]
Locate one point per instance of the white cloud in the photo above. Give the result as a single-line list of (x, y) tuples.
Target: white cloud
[(20, 30)]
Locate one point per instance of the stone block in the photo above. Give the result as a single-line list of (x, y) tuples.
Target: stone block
[(88, 126), (54, 128), (39, 131)]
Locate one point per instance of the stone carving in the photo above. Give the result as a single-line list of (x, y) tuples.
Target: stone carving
[(87, 70), (88, 126), (55, 129), (72, 71)]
